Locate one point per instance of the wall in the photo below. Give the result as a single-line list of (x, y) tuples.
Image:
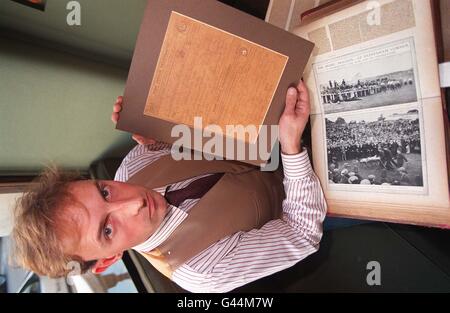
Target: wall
[(55, 106), (7, 201)]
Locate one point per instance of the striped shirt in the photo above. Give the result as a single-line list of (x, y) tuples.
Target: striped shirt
[(244, 256)]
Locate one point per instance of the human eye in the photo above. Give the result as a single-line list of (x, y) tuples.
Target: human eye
[(108, 230), (104, 191)]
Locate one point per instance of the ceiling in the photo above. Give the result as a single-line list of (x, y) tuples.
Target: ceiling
[(108, 30)]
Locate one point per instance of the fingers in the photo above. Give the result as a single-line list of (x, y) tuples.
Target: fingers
[(301, 86), (303, 106), (118, 105), (116, 109), (143, 140), (115, 117), (304, 96), (291, 101)]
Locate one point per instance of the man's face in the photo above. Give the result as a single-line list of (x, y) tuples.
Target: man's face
[(112, 217)]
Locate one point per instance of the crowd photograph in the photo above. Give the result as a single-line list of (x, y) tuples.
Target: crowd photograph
[(394, 88), (375, 148), (370, 78)]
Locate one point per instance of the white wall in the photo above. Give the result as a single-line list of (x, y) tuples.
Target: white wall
[(7, 202)]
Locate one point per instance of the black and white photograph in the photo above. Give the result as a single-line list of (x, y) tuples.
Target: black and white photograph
[(375, 148), (370, 78)]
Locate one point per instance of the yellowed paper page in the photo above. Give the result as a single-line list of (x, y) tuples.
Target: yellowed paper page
[(377, 124)]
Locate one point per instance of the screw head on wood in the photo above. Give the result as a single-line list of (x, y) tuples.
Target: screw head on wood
[(181, 27)]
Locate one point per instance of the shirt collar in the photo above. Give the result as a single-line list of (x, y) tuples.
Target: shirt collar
[(172, 220)]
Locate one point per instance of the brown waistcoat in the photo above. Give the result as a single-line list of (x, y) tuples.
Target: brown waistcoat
[(244, 198)]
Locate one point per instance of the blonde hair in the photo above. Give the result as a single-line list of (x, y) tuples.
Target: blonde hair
[(39, 224)]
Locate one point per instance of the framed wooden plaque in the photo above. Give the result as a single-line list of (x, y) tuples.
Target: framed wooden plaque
[(203, 59)]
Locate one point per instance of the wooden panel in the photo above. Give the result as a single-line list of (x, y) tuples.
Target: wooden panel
[(393, 213), (445, 20), (230, 67)]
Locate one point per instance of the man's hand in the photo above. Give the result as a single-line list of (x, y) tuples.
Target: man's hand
[(294, 119), (115, 117)]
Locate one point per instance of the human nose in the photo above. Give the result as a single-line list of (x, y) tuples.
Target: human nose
[(130, 207)]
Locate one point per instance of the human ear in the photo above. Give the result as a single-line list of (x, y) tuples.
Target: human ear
[(102, 264)]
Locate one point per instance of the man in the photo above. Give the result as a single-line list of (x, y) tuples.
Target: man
[(394, 147), (372, 181), (400, 159), (242, 227), (403, 176), (389, 162)]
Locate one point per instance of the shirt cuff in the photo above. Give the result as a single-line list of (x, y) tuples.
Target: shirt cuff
[(296, 166), (157, 146)]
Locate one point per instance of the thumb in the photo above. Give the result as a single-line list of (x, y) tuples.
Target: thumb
[(138, 138), (143, 140), (291, 101)]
